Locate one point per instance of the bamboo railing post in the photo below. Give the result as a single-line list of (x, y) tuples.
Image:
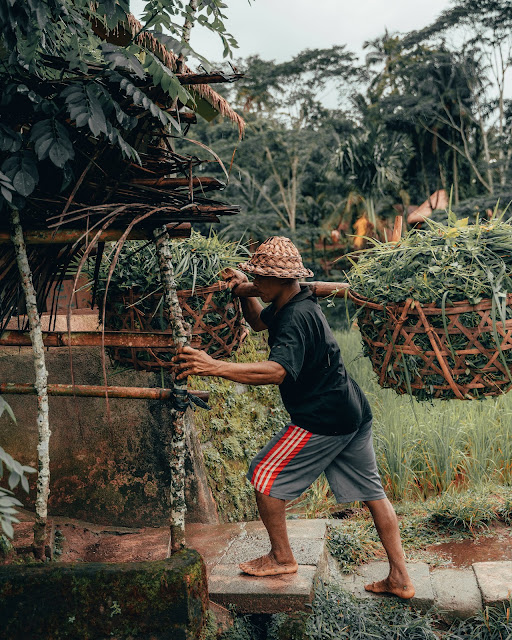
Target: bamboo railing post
[(180, 337), (41, 378)]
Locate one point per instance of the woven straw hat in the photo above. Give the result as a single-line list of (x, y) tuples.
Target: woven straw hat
[(277, 257)]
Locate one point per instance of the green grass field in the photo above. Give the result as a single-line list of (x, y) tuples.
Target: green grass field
[(426, 448)]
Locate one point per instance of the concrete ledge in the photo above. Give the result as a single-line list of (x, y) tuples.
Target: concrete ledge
[(456, 593), (272, 594), (495, 581), (163, 600)]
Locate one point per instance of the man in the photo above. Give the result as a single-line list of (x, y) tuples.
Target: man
[(331, 419)]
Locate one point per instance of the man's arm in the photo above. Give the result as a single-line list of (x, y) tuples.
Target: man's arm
[(251, 308), (192, 362)]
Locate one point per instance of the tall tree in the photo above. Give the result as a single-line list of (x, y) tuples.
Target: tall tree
[(286, 126), (482, 31)]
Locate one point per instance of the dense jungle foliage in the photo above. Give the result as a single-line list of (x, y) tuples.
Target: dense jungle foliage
[(425, 111)]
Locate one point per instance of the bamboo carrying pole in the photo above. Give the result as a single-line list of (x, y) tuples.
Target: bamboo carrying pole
[(40, 385), (320, 289), (177, 462)]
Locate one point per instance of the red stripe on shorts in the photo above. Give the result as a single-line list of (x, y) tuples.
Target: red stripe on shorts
[(271, 455), (283, 452)]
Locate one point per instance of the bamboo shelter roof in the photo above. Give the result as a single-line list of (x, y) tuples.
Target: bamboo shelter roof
[(110, 192)]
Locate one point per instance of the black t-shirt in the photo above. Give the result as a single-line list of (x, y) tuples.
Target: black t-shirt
[(317, 392)]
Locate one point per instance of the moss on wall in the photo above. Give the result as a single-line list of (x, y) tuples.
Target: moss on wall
[(163, 600), (242, 420)]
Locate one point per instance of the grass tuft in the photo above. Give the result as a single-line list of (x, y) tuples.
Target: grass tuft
[(469, 510), (337, 615), (353, 543)]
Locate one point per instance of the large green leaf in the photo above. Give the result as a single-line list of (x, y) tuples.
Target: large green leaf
[(140, 99), (24, 183), (21, 169), (120, 57), (84, 107), (51, 140), (9, 140), (164, 77)]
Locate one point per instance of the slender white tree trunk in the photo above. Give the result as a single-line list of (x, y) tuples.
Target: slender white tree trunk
[(487, 154), (180, 338), (41, 377), (187, 28)]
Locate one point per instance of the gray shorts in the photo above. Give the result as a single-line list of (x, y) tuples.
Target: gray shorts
[(294, 459)]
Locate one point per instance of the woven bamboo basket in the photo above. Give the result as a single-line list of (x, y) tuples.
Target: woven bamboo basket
[(213, 316), (458, 352)]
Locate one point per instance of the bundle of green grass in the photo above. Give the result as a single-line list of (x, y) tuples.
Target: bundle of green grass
[(435, 309), (134, 298)]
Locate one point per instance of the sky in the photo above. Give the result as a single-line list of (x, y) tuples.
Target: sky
[(279, 29)]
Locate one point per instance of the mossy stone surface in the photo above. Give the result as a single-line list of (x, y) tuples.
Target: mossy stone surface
[(160, 600)]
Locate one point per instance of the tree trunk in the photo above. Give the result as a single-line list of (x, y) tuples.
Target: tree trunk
[(177, 413), (41, 378), (187, 28), (487, 155), (455, 178)]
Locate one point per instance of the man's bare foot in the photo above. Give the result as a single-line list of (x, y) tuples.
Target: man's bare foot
[(404, 591), (268, 566)]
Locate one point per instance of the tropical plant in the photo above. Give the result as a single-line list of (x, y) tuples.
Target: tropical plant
[(198, 262), (17, 475), (67, 82), (373, 161)]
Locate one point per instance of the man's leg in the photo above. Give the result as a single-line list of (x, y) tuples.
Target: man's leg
[(280, 558), (386, 522)]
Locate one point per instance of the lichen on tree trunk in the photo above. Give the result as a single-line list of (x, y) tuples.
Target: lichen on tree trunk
[(41, 378), (180, 338)]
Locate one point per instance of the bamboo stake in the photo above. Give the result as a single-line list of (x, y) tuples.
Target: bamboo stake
[(180, 337), (41, 377)]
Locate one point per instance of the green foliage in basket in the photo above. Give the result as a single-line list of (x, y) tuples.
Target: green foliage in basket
[(198, 262), (467, 262), (443, 265)]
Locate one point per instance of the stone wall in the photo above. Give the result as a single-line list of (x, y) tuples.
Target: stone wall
[(109, 463), (163, 600)]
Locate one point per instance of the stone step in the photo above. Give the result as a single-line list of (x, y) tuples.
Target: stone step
[(456, 593), (495, 581), (228, 586), (375, 571)]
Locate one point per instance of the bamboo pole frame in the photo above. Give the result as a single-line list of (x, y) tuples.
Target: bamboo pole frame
[(66, 236), (15, 338), (320, 289), (97, 391)]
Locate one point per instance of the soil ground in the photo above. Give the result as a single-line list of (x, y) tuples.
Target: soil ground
[(495, 546)]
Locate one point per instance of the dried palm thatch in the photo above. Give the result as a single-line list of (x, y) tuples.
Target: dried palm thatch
[(170, 59)]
